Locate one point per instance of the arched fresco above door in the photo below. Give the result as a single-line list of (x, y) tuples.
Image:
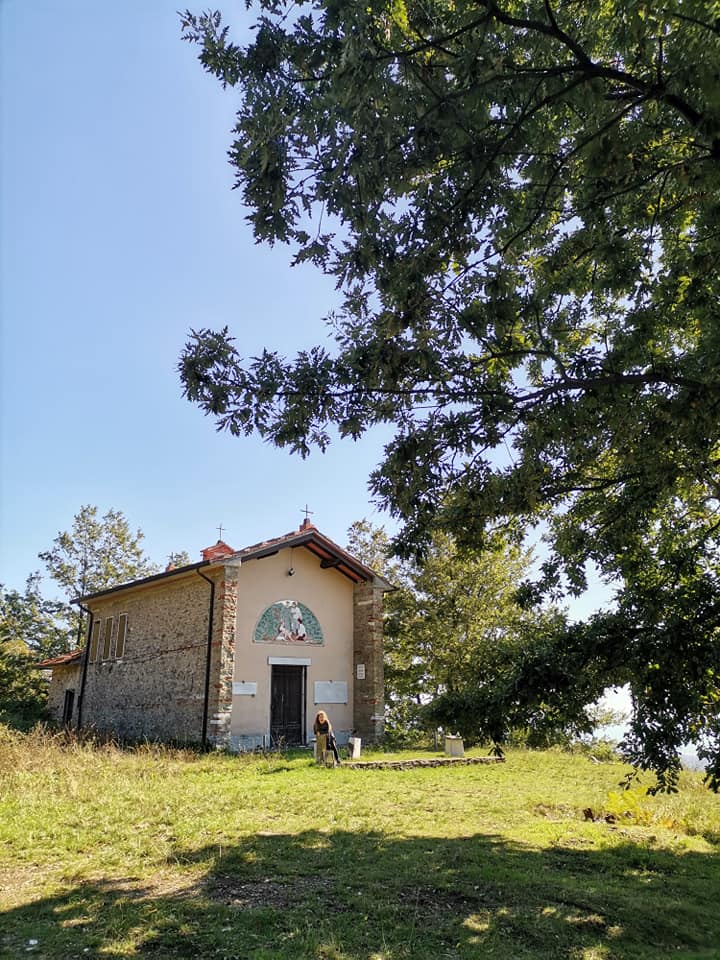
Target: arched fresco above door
[(288, 621)]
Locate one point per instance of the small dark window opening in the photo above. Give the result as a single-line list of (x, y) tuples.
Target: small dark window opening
[(68, 707)]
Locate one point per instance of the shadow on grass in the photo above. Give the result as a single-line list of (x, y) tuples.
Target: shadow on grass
[(365, 896)]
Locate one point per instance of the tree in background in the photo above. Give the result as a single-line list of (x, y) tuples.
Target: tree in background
[(97, 553), (371, 544), (454, 617), (179, 558), (31, 629), (519, 202)]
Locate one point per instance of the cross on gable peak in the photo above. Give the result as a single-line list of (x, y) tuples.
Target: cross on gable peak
[(307, 522)]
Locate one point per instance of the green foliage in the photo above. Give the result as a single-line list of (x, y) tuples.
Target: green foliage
[(31, 629), (371, 544), (97, 553), (519, 203), (116, 853), (28, 617), (179, 558), (453, 618)]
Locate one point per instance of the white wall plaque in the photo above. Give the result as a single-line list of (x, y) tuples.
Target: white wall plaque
[(330, 691), (242, 688), (360, 671)]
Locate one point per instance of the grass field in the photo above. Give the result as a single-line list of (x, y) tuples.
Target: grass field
[(160, 853)]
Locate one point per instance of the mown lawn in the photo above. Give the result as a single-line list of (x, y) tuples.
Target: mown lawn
[(161, 853)]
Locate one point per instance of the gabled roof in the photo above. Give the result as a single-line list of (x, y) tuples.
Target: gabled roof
[(329, 553), (331, 556)]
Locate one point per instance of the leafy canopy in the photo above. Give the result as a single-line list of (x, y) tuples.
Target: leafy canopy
[(31, 629), (96, 553), (519, 202), (452, 617)]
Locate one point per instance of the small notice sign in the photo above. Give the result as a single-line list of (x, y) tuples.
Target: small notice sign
[(360, 671), (330, 691), (243, 689)]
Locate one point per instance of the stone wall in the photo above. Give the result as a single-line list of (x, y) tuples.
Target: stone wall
[(156, 690), (368, 691), (63, 678), (222, 662)]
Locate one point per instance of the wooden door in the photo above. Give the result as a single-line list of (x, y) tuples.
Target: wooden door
[(68, 707), (287, 705)]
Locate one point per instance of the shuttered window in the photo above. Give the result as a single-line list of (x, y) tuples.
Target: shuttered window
[(107, 638), (122, 631), (94, 640)]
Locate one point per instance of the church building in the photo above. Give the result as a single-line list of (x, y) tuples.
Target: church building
[(238, 651)]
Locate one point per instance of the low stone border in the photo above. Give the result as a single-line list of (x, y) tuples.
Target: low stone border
[(410, 764)]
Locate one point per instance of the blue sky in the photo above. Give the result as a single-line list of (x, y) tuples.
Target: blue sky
[(119, 232)]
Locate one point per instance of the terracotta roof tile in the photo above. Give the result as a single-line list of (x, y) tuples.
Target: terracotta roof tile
[(308, 535), (62, 660)]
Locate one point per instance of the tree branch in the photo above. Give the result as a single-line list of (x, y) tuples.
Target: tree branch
[(652, 91)]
